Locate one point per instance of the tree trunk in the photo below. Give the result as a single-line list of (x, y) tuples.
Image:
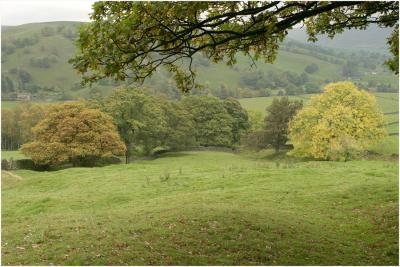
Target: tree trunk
[(128, 153)]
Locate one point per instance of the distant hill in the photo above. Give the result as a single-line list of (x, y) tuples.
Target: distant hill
[(373, 39), (35, 61)]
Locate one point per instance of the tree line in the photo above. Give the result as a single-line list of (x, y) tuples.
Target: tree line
[(339, 124), (144, 123)]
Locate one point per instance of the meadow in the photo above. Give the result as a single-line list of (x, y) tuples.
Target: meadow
[(197, 208), (9, 104), (197, 191)]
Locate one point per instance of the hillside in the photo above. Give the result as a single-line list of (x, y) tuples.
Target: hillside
[(372, 39), (35, 60)]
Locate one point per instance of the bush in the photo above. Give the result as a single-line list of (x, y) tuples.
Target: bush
[(26, 164), (22, 164), (312, 88), (312, 68), (93, 161), (5, 165)]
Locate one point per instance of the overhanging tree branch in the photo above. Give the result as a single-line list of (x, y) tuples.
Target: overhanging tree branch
[(124, 37)]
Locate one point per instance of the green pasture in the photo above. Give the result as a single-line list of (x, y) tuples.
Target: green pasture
[(203, 208)]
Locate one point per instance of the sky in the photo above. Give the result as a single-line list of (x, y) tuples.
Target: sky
[(17, 12)]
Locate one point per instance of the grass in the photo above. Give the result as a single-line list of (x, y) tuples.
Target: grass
[(13, 154), (388, 146), (214, 208), (14, 104), (9, 104)]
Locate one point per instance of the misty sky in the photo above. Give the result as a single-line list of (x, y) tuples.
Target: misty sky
[(16, 12)]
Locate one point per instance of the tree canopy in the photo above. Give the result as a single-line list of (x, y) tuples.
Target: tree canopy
[(16, 124), (213, 123), (280, 112), (133, 39), (139, 119), (338, 124), (70, 132)]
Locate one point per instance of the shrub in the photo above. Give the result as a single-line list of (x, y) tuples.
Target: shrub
[(5, 165), (312, 68), (280, 112)]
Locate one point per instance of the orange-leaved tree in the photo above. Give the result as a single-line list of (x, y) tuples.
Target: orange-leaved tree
[(73, 133)]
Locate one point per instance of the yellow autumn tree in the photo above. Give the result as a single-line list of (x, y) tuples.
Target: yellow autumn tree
[(73, 133), (338, 124)]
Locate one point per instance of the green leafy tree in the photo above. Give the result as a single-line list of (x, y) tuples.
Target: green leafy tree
[(312, 88), (7, 85), (293, 90), (240, 122), (124, 37), (256, 120), (24, 77), (17, 124), (338, 124), (280, 112), (179, 126), (213, 123), (312, 68), (139, 118), (393, 41), (70, 132)]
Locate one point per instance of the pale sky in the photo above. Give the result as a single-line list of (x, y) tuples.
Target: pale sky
[(17, 12)]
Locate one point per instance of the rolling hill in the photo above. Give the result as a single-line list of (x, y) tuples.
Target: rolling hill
[(372, 39), (35, 60)]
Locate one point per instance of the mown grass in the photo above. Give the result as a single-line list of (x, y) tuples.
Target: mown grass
[(204, 208)]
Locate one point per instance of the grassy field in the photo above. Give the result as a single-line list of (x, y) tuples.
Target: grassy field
[(199, 208), (14, 104), (12, 154), (9, 104)]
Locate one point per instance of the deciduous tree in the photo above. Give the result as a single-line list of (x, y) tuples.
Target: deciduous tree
[(240, 122), (139, 119), (213, 124), (338, 124), (70, 132), (133, 39), (17, 124), (280, 112), (180, 126)]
